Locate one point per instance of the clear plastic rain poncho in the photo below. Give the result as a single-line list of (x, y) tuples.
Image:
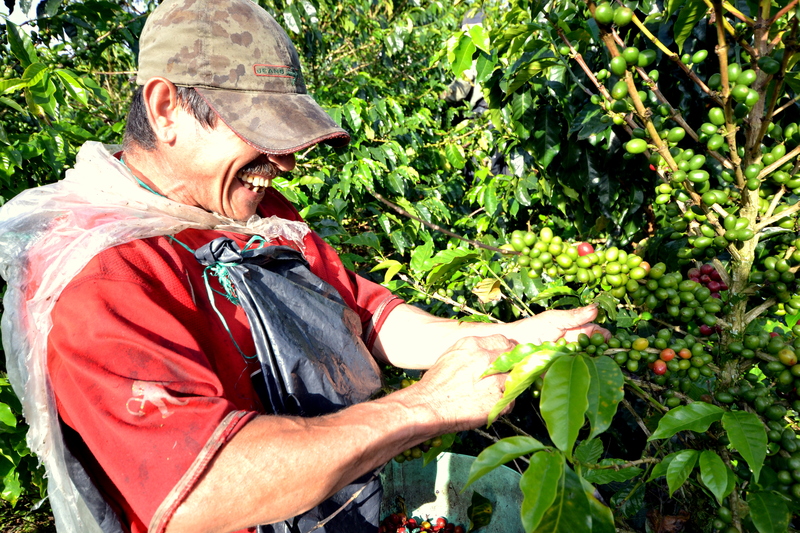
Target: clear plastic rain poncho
[(47, 236)]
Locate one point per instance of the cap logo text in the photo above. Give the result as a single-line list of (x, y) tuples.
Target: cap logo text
[(277, 71)]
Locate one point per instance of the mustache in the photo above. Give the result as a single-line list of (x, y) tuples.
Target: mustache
[(261, 167)]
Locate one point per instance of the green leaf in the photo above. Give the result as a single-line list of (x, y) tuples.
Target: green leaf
[(367, 239), (511, 358), (484, 68), (74, 85), (748, 436), (522, 376), (447, 442), (521, 103), (43, 95), (769, 512), (480, 38), (602, 517), (10, 84), (680, 468), (391, 266), (697, 416), (714, 474), (35, 73), (463, 55), (589, 451), (540, 483), (671, 6), (21, 44), (292, 20), (7, 416), (546, 140), (421, 255), (570, 511), (605, 392), (490, 200), (690, 14), (601, 476), (730, 484), (455, 155), (479, 512), (660, 469), (500, 453), (448, 261), (352, 113), (553, 291), (563, 401), (12, 489), (51, 7), (525, 72), (628, 502), (607, 303)]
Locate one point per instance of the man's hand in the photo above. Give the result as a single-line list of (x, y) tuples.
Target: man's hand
[(554, 324), (453, 387)]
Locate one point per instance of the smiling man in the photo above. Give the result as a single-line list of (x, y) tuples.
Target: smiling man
[(155, 397)]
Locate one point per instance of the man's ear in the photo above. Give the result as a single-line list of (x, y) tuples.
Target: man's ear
[(161, 100)]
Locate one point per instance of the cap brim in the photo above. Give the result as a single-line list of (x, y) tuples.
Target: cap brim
[(275, 123)]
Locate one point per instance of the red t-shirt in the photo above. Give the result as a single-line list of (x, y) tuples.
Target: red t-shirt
[(145, 372)]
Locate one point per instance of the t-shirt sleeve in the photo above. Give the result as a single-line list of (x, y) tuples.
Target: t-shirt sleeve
[(128, 365), (371, 301)]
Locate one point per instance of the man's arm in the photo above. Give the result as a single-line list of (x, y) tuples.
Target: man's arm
[(412, 338), (278, 467)]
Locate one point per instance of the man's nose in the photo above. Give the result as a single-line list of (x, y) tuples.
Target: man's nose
[(284, 162)]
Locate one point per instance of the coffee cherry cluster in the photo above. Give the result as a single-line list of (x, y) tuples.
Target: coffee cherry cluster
[(400, 523), (771, 390), (684, 299), (709, 277), (695, 301), (549, 255), (605, 13), (670, 360), (417, 451), (778, 279)]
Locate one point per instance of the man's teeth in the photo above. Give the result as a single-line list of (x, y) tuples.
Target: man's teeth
[(255, 183)]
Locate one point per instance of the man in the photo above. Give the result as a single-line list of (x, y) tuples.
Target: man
[(136, 378)]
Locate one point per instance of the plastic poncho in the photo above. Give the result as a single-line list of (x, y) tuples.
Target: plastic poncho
[(47, 236)]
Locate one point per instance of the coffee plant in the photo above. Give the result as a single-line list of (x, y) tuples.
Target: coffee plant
[(703, 309)]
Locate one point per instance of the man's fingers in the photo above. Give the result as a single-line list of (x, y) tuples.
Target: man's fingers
[(498, 343), (572, 318), (589, 329)]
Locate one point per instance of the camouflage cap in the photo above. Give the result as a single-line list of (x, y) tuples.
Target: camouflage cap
[(244, 65)]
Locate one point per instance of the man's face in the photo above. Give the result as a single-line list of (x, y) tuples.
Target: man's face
[(222, 173)]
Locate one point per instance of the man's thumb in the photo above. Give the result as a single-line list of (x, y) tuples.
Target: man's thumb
[(574, 318)]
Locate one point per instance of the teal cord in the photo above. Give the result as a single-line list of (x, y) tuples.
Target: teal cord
[(147, 187), (220, 271), (210, 292), (255, 238), (142, 184)]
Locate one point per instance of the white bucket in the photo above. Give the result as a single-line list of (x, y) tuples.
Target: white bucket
[(435, 490)]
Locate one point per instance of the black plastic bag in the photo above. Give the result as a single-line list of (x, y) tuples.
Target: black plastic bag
[(313, 360)]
